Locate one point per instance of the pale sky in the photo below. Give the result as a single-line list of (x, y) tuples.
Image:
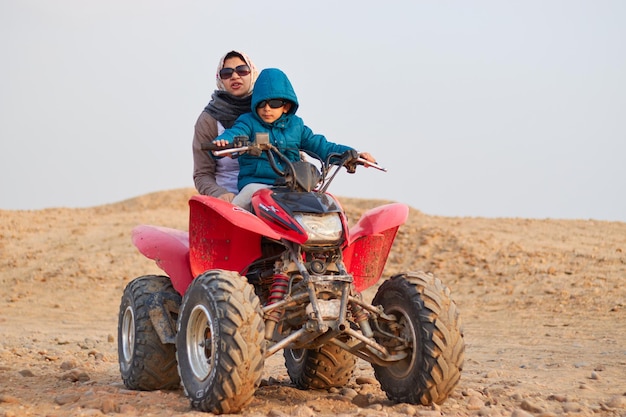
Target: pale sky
[(476, 108)]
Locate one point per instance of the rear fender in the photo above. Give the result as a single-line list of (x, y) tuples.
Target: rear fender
[(223, 236), (169, 248), (370, 242)]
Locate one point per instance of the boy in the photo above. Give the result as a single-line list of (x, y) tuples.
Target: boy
[(274, 104)]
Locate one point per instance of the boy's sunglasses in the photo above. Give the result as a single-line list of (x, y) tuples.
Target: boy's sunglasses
[(274, 103), (241, 70)]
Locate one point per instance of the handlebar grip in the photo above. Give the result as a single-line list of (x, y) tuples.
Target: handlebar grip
[(213, 147), (371, 164)]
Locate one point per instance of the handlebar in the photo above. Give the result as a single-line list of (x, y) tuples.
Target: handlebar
[(241, 144)]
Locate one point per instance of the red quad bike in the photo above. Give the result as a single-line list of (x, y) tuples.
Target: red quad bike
[(242, 286)]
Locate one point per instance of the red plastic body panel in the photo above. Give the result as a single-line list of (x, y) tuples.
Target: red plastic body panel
[(370, 242), (223, 236), (282, 223), (169, 248)]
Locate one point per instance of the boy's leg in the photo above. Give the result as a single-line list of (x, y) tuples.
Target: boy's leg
[(244, 198)]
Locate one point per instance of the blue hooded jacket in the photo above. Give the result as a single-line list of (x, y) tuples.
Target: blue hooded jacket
[(288, 133)]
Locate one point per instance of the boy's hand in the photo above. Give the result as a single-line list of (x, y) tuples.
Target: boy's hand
[(368, 157), (220, 142)]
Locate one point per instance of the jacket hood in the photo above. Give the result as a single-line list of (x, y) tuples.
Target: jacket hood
[(273, 83), (254, 72)]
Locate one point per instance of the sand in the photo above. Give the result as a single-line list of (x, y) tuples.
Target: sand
[(543, 304)]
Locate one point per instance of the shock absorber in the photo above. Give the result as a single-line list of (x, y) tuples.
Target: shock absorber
[(361, 316), (280, 284)]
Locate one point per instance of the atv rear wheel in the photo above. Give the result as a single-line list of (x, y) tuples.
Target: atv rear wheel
[(322, 368), (429, 321), (146, 363), (220, 342)]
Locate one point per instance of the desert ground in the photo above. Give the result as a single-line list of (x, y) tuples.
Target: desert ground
[(543, 304)]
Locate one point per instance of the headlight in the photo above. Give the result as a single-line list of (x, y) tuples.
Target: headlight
[(321, 228)]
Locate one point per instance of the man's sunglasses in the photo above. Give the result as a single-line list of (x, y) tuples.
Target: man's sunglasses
[(241, 70), (274, 103)]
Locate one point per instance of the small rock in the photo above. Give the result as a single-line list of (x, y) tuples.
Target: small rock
[(492, 374), (5, 398), (66, 398), (276, 413), (27, 373), (304, 411), (363, 380), (110, 338), (475, 403), (558, 397), (533, 408), (470, 392), (67, 365), (349, 393), (520, 413), (406, 410), (76, 376), (571, 407), (97, 355), (594, 375), (108, 406), (617, 402), (361, 401), (127, 409)]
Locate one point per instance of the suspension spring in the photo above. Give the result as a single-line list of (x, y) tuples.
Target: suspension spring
[(280, 284), (359, 313)]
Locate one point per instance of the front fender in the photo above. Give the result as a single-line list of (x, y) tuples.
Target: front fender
[(370, 241)]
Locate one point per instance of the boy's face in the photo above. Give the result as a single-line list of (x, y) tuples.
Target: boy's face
[(236, 85), (269, 114)]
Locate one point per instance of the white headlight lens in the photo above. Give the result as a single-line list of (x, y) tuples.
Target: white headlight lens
[(321, 228)]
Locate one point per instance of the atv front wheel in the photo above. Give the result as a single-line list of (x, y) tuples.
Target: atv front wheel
[(146, 363), (325, 367), (220, 342), (429, 322)]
